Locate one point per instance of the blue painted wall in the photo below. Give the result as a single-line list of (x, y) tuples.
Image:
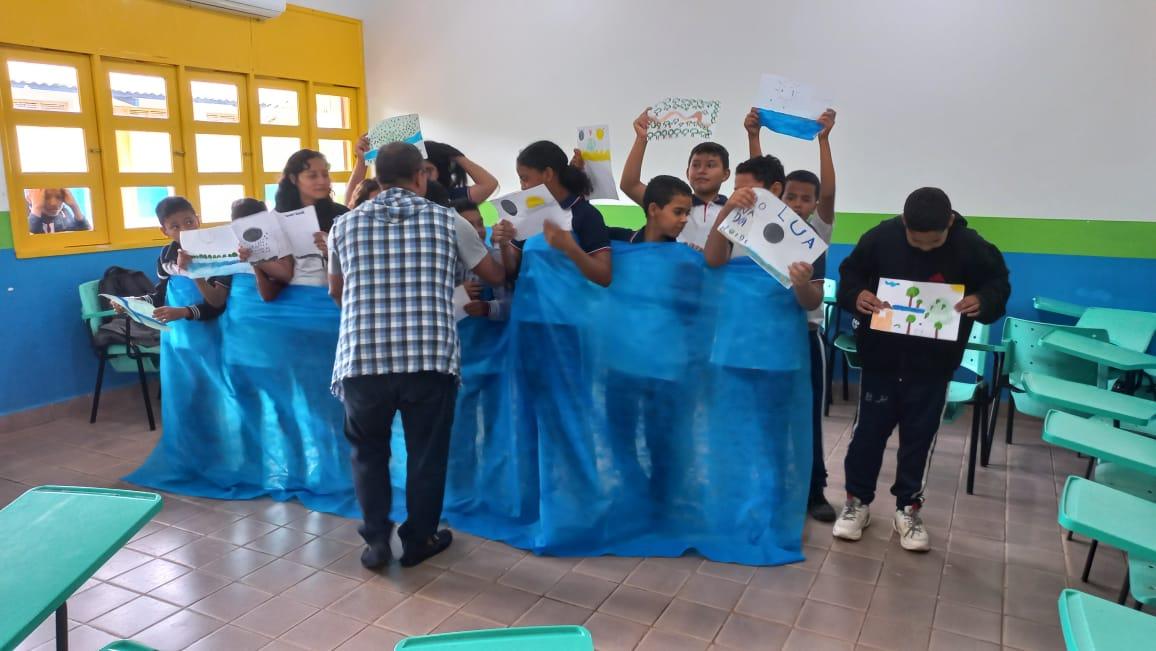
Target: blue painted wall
[(47, 358)]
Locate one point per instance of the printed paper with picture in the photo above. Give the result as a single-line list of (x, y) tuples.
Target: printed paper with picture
[(401, 128), (594, 145), (529, 210), (213, 252), (788, 107), (682, 117), (300, 226), (263, 235), (918, 309), (773, 235)]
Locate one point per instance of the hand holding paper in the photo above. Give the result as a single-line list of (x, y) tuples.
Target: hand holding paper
[(681, 117), (212, 252), (529, 210), (774, 236), (788, 107), (137, 310), (401, 128), (920, 309), (594, 151)]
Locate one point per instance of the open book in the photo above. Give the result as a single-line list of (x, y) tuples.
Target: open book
[(138, 310)]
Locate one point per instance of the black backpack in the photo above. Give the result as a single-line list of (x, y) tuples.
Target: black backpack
[(118, 281)]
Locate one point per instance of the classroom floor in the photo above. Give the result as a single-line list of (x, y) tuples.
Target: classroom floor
[(259, 574)]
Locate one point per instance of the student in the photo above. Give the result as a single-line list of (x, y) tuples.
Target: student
[(268, 287), (450, 167), (365, 190), (812, 198), (667, 202), (588, 245), (54, 210), (706, 170), (904, 379), (486, 302), (176, 215), (357, 176)]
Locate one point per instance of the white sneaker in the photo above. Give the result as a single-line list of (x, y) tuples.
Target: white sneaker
[(856, 516), (909, 525)]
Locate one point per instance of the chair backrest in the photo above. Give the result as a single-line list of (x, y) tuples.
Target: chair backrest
[(974, 360), (1026, 355), (90, 303)]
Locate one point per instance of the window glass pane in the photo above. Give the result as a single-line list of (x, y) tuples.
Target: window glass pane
[(278, 106), (138, 96), (58, 210), (275, 151), (44, 87), (140, 205), (270, 194), (218, 153), (51, 149), (214, 102), (333, 112), (147, 152), (337, 152), (217, 202), (339, 191)]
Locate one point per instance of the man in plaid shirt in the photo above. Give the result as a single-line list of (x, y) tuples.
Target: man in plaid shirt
[(393, 265)]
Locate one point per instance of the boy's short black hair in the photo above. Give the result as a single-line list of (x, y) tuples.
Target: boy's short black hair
[(803, 176), (927, 210), (711, 148), (662, 189), (245, 207), (767, 170), (170, 206)]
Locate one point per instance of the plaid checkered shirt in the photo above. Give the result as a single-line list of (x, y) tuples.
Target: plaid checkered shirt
[(399, 260)]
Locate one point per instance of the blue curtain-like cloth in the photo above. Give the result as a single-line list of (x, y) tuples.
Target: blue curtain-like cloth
[(666, 413)]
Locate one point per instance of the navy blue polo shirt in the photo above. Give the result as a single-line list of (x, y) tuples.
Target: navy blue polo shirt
[(586, 224), (632, 237)]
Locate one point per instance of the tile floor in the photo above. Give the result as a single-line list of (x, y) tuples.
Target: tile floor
[(263, 575)]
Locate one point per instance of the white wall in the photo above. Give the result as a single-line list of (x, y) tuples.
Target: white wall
[(1034, 108)]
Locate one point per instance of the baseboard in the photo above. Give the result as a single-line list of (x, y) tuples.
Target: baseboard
[(77, 407)]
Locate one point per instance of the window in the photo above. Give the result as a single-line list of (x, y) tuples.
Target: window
[(55, 175), (96, 142)]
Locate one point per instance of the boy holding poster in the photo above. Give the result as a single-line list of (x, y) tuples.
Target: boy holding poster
[(904, 378)]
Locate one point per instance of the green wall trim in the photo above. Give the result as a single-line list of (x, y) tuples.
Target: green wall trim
[(5, 230), (1112, 239)]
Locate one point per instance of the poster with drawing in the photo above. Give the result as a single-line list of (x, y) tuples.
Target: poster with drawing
[(594, 146), (918, 309), (401, 128), (788, 107), (138, 310), (212, 252), (682, 117), (529, 210), (300, 226), (263, 235), (773, 235)]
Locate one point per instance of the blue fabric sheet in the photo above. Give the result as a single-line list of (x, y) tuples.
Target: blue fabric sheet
[(667, 413), (789, 125)]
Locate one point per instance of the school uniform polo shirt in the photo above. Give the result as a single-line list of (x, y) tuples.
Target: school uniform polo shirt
[(701, 220), (586, 225), (632, 237)]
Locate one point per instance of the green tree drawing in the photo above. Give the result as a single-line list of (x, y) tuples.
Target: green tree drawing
[(910, 322), (938, 326), (912, 292)]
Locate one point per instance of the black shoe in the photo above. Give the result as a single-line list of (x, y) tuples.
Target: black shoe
[(819, 508), (373, 558), (431, 547)]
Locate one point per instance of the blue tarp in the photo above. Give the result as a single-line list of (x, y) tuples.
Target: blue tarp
[(669, 412)]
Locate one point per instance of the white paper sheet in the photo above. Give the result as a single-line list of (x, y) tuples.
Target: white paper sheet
[(918, 309), (682, 117), (790, 97), (773, 235), (461, 299), (300, 226), (529, 210), (263, 235), (213, 252), (594, 144), (400, 128), (137, 310)]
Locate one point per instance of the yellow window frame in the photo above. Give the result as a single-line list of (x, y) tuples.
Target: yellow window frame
[(301, 131), (18, 180), (195, 178), (349, 134)]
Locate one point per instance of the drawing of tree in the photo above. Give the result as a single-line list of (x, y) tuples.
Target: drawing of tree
[(910, 321), (912, 292), (938, 326)]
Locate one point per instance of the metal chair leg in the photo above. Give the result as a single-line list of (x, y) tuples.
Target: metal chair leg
[(96, 391), (1088, 562), (62, 627), (1011, 412), (144, 391), (973, 445), (1123, 598)]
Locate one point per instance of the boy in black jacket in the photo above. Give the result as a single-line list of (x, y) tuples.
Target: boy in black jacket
[(904, 379)]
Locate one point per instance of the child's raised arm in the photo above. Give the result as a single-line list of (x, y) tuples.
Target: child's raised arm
[(485, 184), (358, 174), (631, 184), (826, 208), (753, 127)]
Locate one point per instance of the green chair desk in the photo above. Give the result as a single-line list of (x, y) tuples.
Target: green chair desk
[(1055, 306), (1101, 441), (1089, 400), (534, 638), (1103, 513), (1105, 355), (1093, 624), (1127, 328), (54, 539)]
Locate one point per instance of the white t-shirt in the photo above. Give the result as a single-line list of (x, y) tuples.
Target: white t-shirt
[(823, 230), (700, 222)]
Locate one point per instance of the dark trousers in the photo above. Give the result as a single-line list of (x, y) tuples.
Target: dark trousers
[(916, 406), (818, 397), (426, 402)]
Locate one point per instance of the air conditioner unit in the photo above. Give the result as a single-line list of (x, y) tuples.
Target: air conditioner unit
[(260, 9)]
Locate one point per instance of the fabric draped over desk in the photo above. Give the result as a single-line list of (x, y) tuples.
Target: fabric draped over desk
[(668, 412)]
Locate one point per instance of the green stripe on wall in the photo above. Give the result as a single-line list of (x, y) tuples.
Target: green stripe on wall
[(5, 230), (1116, 239)]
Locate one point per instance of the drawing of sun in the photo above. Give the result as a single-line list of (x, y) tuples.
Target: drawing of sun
[(601, 133), (534, 202)]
